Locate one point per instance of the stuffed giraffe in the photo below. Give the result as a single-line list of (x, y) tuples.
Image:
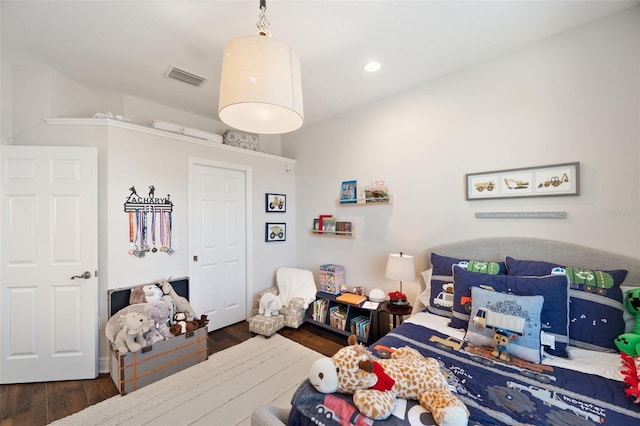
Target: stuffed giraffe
[(375, 384)]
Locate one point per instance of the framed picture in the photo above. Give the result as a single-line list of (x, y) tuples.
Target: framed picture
[(542, 181), (275, 232), (349, 192), (275, 203)]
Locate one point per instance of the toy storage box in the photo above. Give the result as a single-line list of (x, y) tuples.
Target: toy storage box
[(134, 370)]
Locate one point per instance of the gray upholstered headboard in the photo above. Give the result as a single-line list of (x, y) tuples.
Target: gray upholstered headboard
[(539, 249)]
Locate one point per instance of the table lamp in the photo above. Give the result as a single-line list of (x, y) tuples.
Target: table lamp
[(400, 267)]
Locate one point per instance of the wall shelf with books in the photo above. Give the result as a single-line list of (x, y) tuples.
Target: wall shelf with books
[(368, 201), (352, 194), (327, 225), (334, 234)]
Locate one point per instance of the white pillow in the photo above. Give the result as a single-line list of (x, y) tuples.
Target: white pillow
[(426, 294)]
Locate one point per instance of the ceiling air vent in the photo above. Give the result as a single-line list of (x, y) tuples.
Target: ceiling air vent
[(185, 76)]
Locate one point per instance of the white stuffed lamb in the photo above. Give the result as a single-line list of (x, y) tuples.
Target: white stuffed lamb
[(269, 305)]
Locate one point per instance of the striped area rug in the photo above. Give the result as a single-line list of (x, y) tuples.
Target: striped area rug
[(223, 390)]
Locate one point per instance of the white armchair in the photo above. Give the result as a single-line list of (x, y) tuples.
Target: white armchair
[(296, 289)]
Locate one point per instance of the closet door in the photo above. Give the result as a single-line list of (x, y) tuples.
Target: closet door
[(217, 221)]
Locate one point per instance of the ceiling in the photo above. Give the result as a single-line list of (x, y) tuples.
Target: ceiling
[(127, 46)]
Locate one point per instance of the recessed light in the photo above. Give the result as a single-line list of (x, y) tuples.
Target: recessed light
[(372, 66)]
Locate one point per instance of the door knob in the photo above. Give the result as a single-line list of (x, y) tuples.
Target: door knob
[(86, 275)]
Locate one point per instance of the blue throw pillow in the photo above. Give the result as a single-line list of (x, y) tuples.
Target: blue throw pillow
[(517, 317), (596, 306), (441, 290), (555, 310)]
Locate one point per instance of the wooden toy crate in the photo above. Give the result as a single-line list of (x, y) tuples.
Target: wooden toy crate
[(134, 370)]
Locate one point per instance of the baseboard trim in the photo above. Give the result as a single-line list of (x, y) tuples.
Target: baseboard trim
[(103, 365)]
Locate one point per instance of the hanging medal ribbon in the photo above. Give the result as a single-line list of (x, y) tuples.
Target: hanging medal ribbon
[(140, 247), (163, 232), (137, 236), (145, 230), (170, 250), (153, 230), (143, 237), (131, 234)]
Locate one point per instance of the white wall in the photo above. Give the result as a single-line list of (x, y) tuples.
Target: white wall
[(574, 97), (130, 157), (142, 159)]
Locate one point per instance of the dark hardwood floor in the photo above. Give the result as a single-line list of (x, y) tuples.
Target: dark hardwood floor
[(37, 404)]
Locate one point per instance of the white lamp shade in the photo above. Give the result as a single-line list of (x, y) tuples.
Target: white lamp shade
[(400, 268), (260, 86)]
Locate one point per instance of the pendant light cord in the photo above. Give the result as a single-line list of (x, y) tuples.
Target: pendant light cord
[(263, 26)]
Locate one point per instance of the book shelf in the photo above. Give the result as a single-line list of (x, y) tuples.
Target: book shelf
[(367, 202), (327, 225), (335, 234), (346, 318)]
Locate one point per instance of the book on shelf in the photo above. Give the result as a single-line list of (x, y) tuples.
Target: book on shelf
[(338, 317), (349, 192), (320, 307), (343, 228), (321, 220), (354, 299), (360, 326)]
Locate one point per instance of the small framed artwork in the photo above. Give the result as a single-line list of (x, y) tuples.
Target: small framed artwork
[(275, 232), (541, 181), (349, 192), (275, 203)]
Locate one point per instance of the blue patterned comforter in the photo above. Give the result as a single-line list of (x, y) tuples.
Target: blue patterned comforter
[(495, 393)]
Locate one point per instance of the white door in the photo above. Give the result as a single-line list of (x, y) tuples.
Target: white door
[(48, 234), (217, 220)]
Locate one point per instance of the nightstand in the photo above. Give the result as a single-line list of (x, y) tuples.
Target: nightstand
[(397, 312)]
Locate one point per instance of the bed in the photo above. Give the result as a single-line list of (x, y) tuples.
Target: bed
[(571, 376)]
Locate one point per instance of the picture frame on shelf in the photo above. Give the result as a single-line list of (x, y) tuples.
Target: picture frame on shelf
[(376, 194), (329, 225), (275, 232), (540, 181), (349, 192), (275, 203)]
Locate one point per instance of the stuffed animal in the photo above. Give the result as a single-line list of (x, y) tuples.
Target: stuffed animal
[(179, 303), (182, 324), (375, 384), (629, 343), (501, 339), (131, 336), (269, 305), (203, 321), (152, 293), (159, 313), (145, 294)]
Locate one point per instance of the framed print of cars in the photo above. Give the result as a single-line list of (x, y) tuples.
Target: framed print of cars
[(275, 203), (275, 232), (540, 181)]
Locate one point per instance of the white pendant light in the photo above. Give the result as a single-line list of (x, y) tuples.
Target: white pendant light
[(260, 85)]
